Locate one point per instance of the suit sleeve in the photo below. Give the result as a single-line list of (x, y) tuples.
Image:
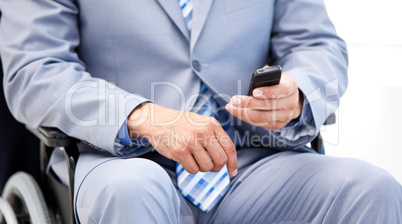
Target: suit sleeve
[(45, 81), (304, 42)]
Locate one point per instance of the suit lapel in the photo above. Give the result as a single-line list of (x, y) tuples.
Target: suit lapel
[(173, 10), (200, 13)]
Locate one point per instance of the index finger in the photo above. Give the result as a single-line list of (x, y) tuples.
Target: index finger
[(229, 148)]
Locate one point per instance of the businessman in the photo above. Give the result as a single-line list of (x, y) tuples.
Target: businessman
[(156, 91)]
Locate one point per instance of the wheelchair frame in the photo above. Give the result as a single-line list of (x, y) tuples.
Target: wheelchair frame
[(57, 195)]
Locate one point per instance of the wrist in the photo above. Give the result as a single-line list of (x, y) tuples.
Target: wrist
[(138, 119), (299, 107)]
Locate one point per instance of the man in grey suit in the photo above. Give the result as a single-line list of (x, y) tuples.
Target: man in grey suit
[(127, 78)]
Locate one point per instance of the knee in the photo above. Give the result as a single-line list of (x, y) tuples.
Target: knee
[(363, 181), (141, 180), (374, 181), (138, 190), (360, 192)]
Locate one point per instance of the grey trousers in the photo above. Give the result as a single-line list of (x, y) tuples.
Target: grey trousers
[(271, 187)]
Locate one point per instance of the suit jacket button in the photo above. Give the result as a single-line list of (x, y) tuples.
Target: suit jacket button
[(197, 65)]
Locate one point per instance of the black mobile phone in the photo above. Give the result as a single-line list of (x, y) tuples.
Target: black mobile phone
[(268, 76)]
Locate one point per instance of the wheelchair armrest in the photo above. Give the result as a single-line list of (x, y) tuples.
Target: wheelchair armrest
[(52, 137), (318, 143), (331, 119)]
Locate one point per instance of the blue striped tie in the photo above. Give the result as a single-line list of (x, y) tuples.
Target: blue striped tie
[(204, 189)]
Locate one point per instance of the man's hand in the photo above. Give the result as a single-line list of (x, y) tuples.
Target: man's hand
[(270, 107), (197, 142)]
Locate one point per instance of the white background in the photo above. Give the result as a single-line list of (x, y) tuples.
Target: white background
[(369, 119)]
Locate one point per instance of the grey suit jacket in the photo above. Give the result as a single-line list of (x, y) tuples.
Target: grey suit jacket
[(84, 65)]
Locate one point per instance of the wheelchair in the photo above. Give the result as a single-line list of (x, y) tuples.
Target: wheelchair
[(25, 201)]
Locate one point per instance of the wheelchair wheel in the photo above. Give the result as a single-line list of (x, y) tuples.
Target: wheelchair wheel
[(6, 213), (26, 199)]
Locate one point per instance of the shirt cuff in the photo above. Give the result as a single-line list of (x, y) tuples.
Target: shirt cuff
[(125, 145), (122, 135)]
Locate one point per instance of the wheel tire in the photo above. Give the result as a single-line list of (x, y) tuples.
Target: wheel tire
[(26, 199), (7, 213)]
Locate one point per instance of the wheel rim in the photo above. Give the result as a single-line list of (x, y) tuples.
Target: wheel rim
[(26, 199), (19, 207)]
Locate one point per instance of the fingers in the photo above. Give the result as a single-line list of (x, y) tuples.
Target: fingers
[(288, 103), (203, 160), (189, 164), (217, 154), (208, 149), (273, 120), (218, 150), (255, 103), (285, 88), (229, 149), (271, 107), (201, 145)]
